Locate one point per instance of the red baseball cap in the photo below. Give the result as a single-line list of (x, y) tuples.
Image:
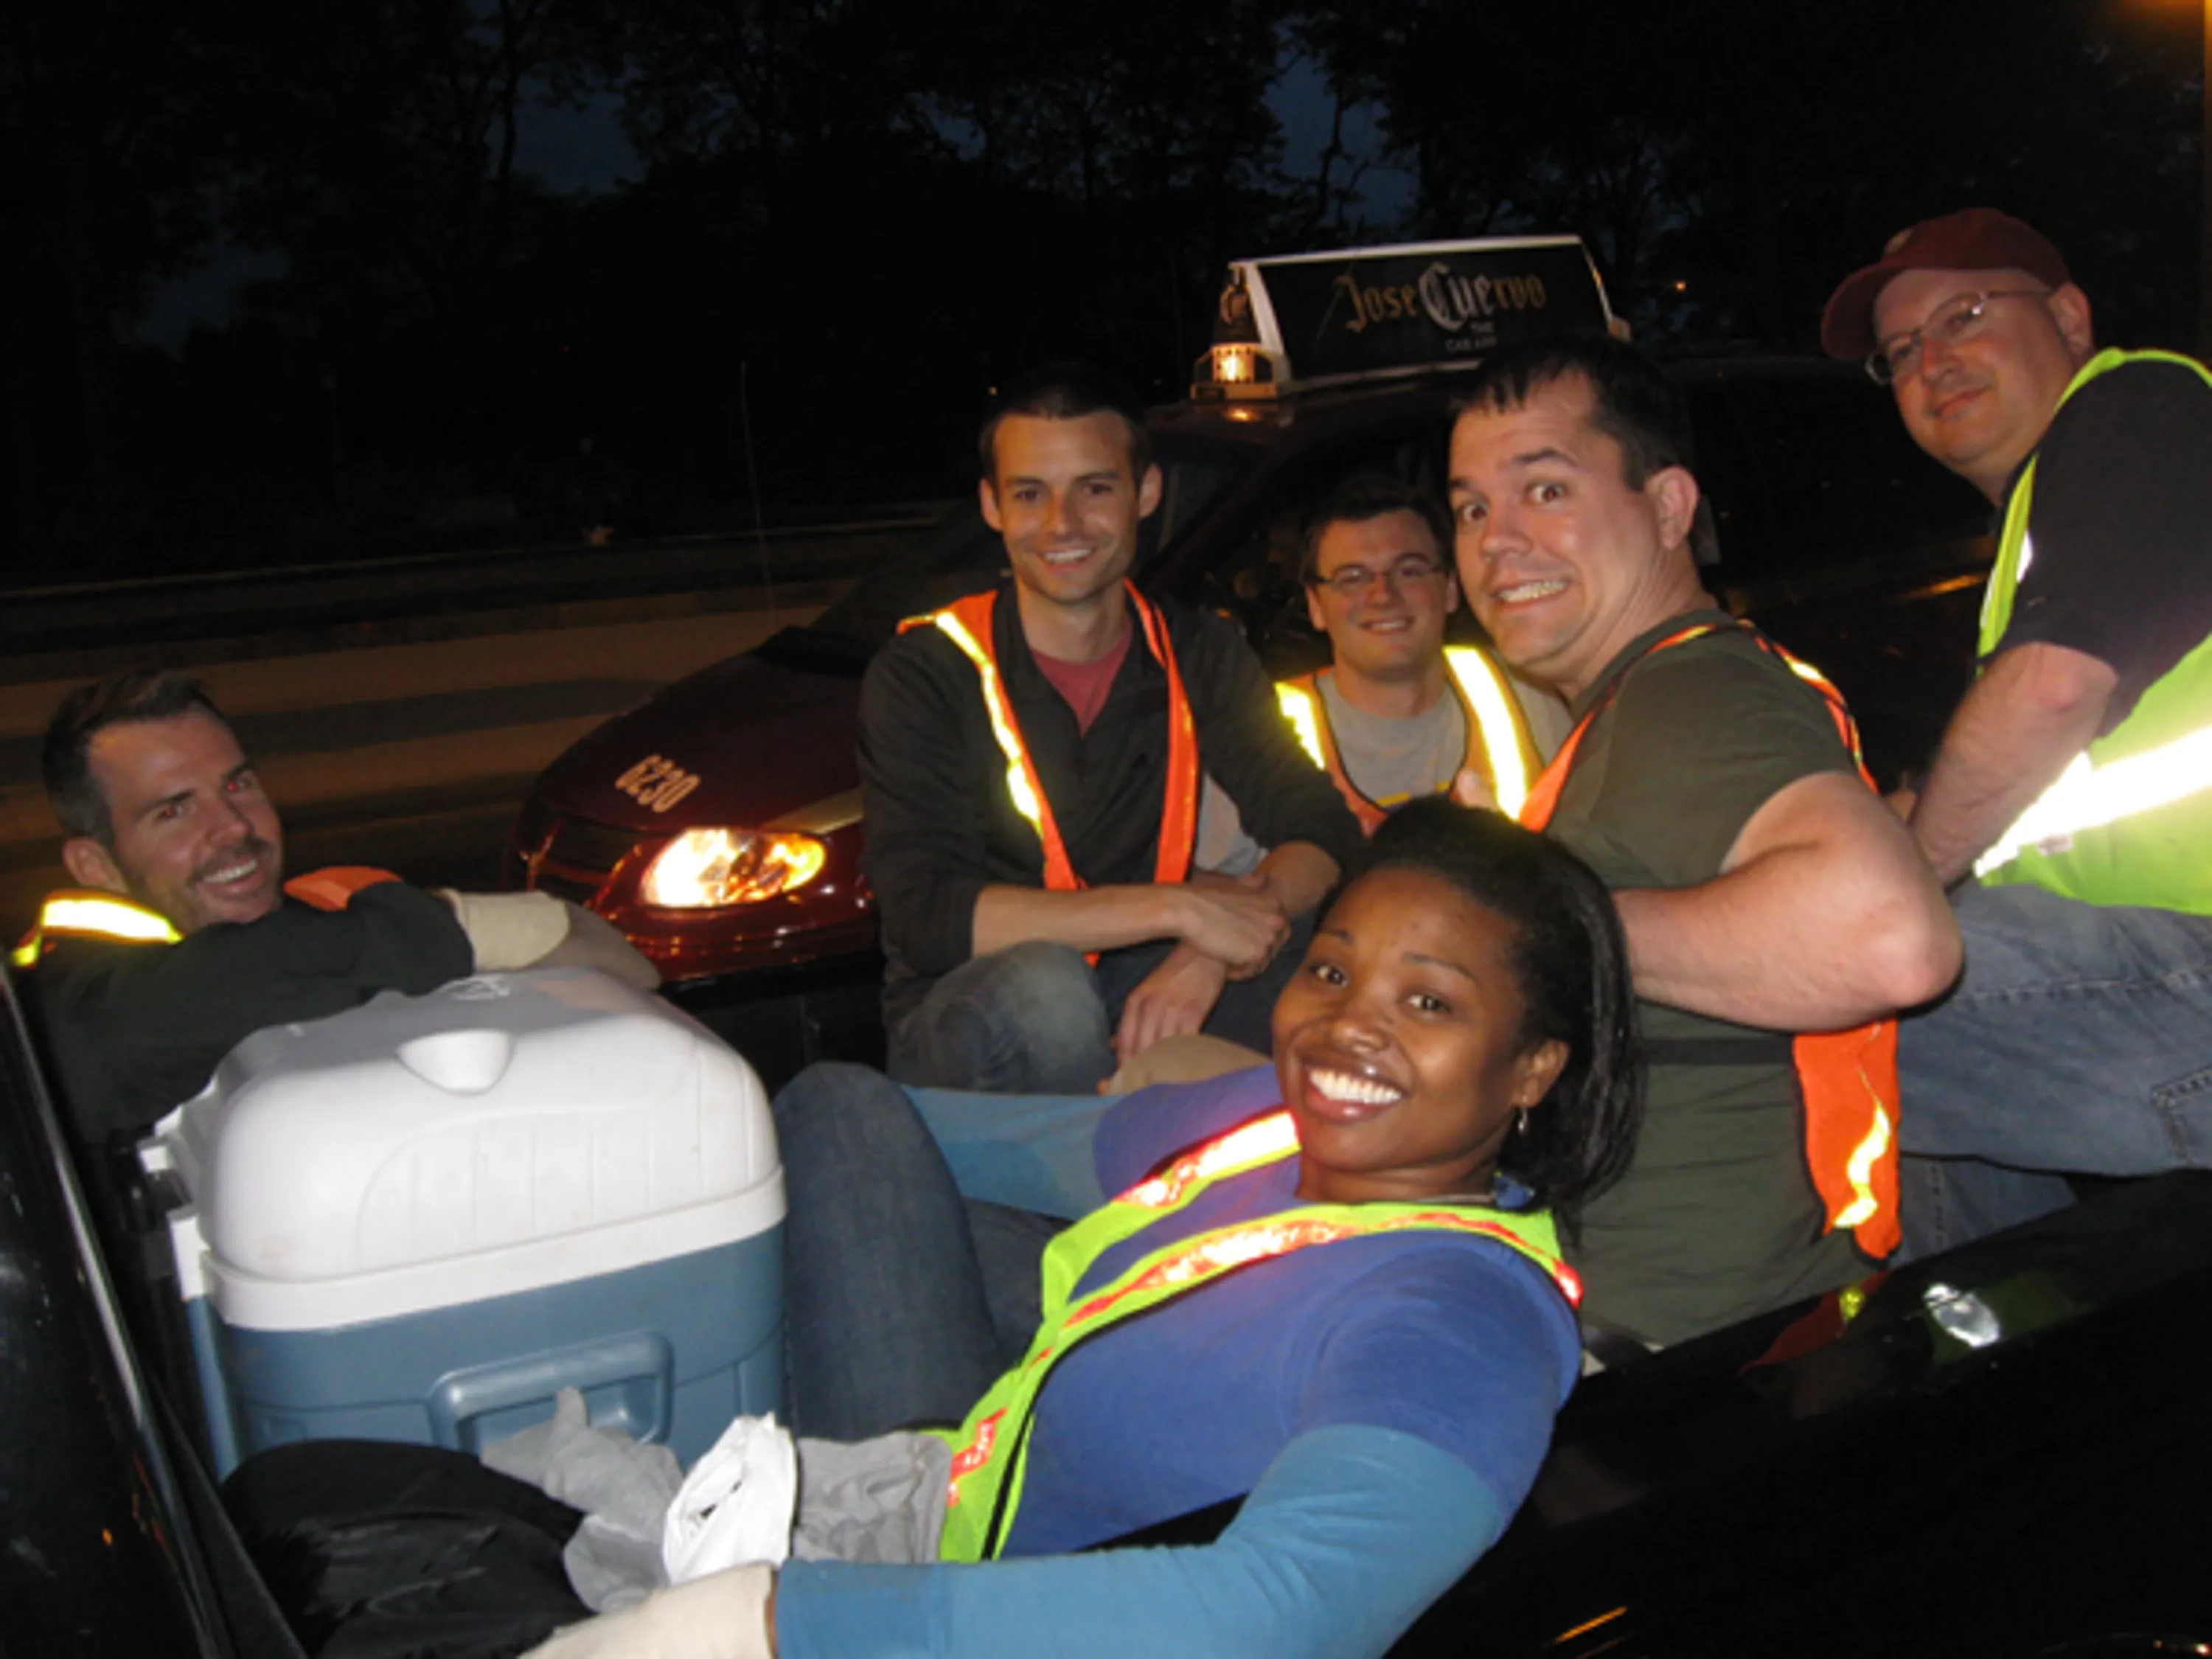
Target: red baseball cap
[(1972, 239)]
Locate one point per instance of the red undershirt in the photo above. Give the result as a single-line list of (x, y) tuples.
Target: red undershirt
[(1085, 685)]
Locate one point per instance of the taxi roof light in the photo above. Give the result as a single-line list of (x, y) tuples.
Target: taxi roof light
[(1234, 372), (714, 868)]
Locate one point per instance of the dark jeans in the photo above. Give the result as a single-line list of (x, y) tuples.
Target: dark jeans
[(2079, 1041), (1037, 1018), (903, 1301)]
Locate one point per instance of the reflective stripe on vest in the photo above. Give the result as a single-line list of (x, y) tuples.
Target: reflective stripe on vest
[(968, 624), (1848, 1079), (2128, 821), (90, 914), (1498, 743), (990, 1451)]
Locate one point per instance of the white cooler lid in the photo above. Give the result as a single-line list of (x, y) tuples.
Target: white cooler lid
[(501, 1133)]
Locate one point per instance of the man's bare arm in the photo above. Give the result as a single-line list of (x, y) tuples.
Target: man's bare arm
[(1824, 916), (2024, 720), (1172, 1000)]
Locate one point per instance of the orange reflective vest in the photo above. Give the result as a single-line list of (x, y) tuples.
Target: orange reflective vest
[(968, 623), (92, 913), (990, 1451), (1848, 1079), (1498, 741)]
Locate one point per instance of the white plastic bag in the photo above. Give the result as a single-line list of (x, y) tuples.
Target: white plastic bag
[(736, 1504)]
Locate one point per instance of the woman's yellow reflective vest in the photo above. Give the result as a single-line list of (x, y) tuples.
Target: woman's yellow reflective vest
[(990, 1451)]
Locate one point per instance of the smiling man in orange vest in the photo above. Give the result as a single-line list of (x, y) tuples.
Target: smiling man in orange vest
[(1031, 760), (1713, 782)]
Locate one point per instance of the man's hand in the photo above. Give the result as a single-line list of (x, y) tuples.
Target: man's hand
[(595, 942), (508, 931), (1172, 1000), (1241, 925)]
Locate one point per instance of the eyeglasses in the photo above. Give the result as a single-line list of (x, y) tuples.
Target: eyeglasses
[(1957, 318), (1402, 572)]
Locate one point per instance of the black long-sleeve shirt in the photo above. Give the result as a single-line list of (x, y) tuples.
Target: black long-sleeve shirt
[(942, 826), (135, 1029)]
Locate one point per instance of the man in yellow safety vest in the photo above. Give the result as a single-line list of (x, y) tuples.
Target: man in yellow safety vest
[(2069, 806)]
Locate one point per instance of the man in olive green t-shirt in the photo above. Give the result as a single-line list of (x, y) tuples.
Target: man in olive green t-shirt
[(1765, 889)]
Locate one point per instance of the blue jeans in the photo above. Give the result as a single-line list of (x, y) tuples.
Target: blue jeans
[(2078, 1042), (905, 1298), (1036, 1018)]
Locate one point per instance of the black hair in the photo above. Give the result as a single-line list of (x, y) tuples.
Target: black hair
[(1570, 962), (131, 696), (1365, 495), (1634, 403), (1066, 391)]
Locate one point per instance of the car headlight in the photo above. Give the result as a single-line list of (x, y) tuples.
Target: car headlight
[(714, 868)]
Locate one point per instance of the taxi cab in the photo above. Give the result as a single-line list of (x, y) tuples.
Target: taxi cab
[(719, 825)]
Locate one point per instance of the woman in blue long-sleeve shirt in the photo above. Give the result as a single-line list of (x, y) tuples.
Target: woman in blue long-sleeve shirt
[(1353, 1312)]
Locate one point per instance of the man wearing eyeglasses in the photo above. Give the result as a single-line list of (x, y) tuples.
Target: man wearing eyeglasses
[(2070, 806), (1398, 714)]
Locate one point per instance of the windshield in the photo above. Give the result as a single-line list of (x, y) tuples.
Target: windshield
[(961, 554)]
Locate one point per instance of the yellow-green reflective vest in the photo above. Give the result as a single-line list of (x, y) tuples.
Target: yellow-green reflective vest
[(83, 912), (2129, 821), (990, 1451)]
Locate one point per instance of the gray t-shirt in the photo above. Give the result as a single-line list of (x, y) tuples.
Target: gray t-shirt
[(1390, 762), (1393, 761)]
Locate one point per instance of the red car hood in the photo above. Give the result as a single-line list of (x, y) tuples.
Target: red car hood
[(761, 739)]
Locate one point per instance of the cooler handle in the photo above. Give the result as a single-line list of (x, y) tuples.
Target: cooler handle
[(639, 1369)]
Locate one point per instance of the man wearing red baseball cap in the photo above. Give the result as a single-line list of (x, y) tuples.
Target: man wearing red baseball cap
[(2070, 806)]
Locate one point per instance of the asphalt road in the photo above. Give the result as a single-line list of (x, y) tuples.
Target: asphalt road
[(393, 728)]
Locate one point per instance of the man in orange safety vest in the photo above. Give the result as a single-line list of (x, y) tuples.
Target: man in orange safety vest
[(1778, 913), (1031, 760)]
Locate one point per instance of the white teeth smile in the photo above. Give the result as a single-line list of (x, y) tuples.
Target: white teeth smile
[(236, 872), (1356, 1090), (1521, 592), (1069, 555)]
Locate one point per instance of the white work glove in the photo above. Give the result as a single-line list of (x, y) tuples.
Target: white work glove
[(721, 1616), (509, 930)]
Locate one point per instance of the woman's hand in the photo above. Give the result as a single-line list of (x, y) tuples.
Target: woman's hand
[(725, 1615)]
